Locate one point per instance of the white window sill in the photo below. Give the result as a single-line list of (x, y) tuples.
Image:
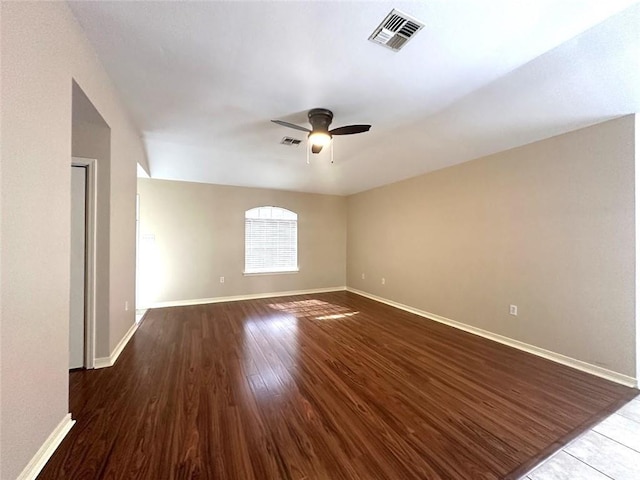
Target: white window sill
[(255, 274)]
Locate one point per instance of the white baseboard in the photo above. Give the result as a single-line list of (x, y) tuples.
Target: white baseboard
[(44, 453), (102, 362), (541, 352), (236, 298), (110, 361)]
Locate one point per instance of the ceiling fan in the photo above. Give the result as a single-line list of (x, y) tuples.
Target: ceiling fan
[(319, 134)]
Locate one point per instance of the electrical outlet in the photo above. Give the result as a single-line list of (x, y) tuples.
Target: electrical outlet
[(383, 281), (363, 276), (221, 279), (126, 306), (513, 310)]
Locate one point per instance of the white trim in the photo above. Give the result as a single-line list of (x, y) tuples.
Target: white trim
[(281, 272), (111, 360), (540, 352), (49, 446), (102, 362), (90, 281), (237, 298)]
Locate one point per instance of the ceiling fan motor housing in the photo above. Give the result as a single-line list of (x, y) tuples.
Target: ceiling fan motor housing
[(320, 119)]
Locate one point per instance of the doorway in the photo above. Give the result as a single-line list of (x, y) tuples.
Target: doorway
[(82, 267)]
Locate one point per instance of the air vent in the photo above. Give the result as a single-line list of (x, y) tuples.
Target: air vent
[(396, 30), (290, 141)]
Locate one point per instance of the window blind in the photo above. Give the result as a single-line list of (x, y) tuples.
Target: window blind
[(271, 240)]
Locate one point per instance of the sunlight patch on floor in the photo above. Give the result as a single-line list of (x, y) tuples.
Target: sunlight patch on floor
[(337, 316), (318, 309)]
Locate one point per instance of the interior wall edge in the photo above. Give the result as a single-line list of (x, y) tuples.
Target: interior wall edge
[(540, 352), (47, 449), (636, 141)]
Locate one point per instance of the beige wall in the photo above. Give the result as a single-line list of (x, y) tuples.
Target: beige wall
[(548, 227), (43, 49), (199, 237)]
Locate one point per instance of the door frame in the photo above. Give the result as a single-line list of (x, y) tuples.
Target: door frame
[(90, 258)]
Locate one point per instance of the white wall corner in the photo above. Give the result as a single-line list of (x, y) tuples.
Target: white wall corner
[(110, 361), (44, 453), (540, 352)]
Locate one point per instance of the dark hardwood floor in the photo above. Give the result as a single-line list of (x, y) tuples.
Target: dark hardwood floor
[(329, 386)]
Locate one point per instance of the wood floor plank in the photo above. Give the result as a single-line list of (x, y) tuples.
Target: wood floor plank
[(327, 386)]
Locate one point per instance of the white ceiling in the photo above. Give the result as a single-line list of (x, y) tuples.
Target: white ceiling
[(202, 80)]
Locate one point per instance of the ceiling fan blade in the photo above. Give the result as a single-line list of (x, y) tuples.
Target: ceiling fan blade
[(350, 129), (291, 125), (316, 148)]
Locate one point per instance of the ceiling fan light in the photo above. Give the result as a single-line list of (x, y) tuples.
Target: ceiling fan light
[(319, 138)]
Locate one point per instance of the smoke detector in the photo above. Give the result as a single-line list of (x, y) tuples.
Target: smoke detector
[(396, 30)]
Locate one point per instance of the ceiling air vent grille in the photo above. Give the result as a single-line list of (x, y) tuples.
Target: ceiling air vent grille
[(290, 141), (396, 30)]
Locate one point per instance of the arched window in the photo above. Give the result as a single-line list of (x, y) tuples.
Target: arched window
[(270, 240)]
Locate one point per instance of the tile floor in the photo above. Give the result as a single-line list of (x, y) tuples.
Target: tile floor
[(610, 450)]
